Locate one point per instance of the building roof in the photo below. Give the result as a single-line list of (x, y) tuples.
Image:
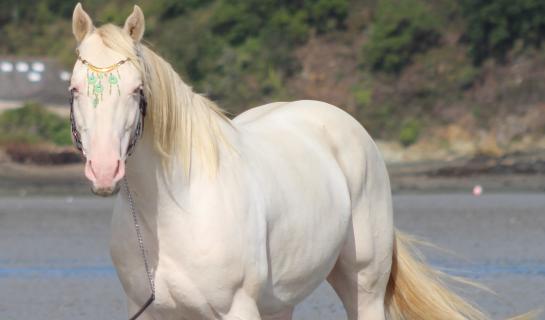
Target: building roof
[(31, 78)]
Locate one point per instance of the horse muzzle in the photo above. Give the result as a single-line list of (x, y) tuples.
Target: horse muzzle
[(105, 192), (104, 176)]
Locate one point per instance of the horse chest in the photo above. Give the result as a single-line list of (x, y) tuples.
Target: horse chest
[(196, 273)]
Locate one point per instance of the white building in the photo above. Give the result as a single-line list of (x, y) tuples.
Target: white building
[(32, 78)]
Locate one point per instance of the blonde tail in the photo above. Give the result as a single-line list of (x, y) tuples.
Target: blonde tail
[(417, 292)]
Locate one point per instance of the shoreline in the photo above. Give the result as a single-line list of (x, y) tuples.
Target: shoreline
[(425, 177)]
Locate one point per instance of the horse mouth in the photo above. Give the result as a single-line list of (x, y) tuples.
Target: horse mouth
[(106, 192)]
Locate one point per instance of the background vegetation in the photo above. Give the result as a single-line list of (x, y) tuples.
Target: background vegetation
[(33, 124), (414, 60)]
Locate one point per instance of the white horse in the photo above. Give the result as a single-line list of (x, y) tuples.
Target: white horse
[(244, 218)]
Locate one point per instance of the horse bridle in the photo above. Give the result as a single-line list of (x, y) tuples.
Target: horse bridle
[(135, 136)]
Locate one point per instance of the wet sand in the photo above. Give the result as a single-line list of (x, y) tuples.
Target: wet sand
[(54, 258)]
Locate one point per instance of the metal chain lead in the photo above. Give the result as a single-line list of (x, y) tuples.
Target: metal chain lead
[(142, 252)]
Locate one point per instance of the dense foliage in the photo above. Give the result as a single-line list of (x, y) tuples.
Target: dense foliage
[(242, 53), (496, 27), (402, 28)]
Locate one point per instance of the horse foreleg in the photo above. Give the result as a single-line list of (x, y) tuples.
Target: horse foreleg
[(243, 307)]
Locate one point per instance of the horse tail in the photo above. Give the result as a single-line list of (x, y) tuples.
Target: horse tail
[(416, 291)]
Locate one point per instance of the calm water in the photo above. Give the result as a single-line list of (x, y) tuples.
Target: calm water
[(54, 258)]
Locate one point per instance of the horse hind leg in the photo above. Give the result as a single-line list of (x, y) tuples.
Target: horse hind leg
[(361, 300), (360, 276)]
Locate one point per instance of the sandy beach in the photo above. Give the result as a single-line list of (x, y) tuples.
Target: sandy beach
[(54, 257)]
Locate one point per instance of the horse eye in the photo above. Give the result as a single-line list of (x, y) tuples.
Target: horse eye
[(74, 91), (136, 90)]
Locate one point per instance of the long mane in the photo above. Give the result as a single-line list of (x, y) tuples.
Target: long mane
[(182, 121)]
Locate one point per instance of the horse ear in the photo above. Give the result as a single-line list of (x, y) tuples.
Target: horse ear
[(82, 24), (135, 24)]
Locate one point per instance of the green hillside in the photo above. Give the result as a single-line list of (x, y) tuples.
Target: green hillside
[(402, 67)]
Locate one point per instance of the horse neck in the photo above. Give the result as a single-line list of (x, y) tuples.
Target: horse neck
[(153, 186)]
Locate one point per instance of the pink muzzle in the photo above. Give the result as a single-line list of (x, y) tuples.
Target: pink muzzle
[(104, 173)]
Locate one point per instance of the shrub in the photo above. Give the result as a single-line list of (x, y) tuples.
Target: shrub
[(287, 27), (363, 95), (401, 29), (495, 27), (410, 131), (236, 21), (327, 15), (31, 124), (174, 8), (239, 20)]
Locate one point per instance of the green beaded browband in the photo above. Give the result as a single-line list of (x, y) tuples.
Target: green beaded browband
[(95, 76)]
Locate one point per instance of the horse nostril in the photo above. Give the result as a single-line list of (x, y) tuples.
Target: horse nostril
[(119, 171), (116, 168), (92, 169), (89, 171), (104, 173)]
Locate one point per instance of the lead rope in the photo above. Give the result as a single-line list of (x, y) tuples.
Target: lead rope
[(142, 252)]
